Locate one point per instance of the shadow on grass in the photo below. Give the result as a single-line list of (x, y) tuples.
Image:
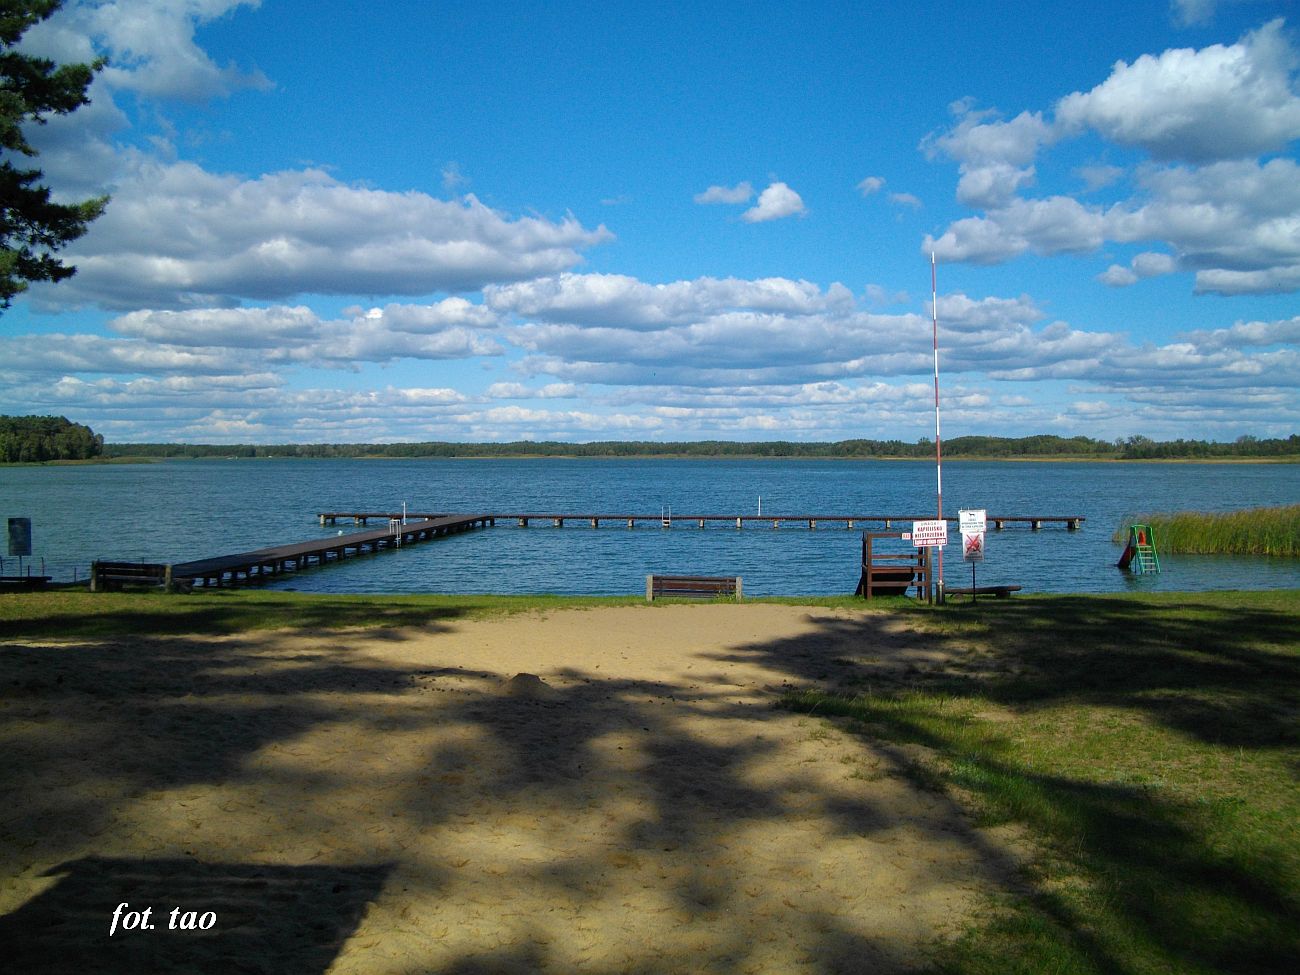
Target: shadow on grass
[(1136, 878), (98, 615)]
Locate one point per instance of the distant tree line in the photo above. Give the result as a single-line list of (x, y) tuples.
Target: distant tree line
[(1132, 448), (31, 439)]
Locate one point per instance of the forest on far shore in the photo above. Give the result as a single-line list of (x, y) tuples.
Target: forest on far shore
[(1042, 446), (37, 439)]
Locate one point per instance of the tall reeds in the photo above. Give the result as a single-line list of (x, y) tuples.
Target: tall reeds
[(1253, 531)]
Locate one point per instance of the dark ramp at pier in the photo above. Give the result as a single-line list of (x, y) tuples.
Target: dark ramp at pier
[(265, 562)]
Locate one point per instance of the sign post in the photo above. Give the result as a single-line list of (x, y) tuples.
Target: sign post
[(20, 539), (972, 524), (932, 534)]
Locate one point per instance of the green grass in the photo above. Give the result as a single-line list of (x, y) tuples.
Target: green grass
[(1146, 748), (71, 613), (78, 613), (1255, 531)]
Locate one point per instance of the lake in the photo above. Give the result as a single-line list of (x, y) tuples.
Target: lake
[(180, 510)]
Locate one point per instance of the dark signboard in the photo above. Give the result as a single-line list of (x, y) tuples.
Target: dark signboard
[(20, 536)]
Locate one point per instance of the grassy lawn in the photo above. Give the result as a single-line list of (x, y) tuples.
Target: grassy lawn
[(77, 613), (1144, 749)]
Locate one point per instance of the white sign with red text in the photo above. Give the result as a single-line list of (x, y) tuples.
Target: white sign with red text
[(929, 533)]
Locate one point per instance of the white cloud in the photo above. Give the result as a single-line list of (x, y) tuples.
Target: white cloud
[(872, 184), (1221, 102), (1191, 12), (740, 193), (1249, 334), (1056, 225), (775, 202), (150, 45), (905, 200), (1149, 264), (1233, 221), (1118, 276), (992, 185), (621, 301), (177, 236)]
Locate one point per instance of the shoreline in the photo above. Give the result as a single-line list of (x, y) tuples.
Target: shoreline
[(963, 458)]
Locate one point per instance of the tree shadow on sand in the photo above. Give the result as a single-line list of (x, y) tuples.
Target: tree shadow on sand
[(203, 917), (600, 823)]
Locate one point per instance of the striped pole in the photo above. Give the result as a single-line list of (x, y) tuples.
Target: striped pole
[(938, 441)]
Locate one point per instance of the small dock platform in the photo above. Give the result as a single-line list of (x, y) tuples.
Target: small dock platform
[(263, 563), (560, 519)]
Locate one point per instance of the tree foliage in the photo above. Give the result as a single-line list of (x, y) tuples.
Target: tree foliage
[(32, 225), (31, 439), (1042, 446)]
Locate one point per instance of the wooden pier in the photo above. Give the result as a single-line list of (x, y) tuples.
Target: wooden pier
[(262, 564), (559, 519)]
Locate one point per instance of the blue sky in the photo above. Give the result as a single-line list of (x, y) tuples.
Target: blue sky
[(334, 221)]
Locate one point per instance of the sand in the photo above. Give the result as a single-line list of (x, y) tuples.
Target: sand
[(608, 790)]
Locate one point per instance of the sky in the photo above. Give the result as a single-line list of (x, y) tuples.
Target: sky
[(334, 221)]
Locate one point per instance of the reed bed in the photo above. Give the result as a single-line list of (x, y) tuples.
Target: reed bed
[(1253, 531)]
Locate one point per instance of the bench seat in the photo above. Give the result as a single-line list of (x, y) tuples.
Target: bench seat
[(1001, 592), (692, 587)]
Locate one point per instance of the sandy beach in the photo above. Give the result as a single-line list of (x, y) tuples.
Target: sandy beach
[(604, 790)]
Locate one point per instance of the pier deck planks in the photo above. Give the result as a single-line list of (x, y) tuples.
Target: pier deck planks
[(275, 559)]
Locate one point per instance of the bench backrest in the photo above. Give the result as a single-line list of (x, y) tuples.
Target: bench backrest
[(695, 587)]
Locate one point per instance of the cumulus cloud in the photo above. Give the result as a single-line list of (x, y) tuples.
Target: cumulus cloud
[(150, 45), (620, 301), (619, 331), (1248, 335), (872, 184), (740, 193), (1145, 265), (1199, 115), (1221, 102), (775, 202), (177, 236)]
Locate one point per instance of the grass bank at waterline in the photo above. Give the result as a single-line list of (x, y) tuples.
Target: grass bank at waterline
[(1141, 750), (1254, 531)]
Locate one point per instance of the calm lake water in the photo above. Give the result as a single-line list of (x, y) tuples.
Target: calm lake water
[(182, 510)]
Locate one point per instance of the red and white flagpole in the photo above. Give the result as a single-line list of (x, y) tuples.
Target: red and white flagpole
[(938, 441)]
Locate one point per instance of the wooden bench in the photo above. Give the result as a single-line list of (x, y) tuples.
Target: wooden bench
[(1001, 592), (114, 575), (24, 582), (693, 587)]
